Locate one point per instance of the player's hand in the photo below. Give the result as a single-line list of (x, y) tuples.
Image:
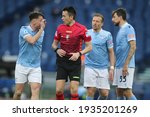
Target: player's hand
[(125, 70), (43, 23), (74, 56), (61, 52), (111, 74)]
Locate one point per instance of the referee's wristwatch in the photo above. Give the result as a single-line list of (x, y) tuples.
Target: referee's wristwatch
[(80, 53), (56, 50)]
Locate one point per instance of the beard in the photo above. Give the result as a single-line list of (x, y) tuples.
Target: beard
[(116, 23), (94, 27)]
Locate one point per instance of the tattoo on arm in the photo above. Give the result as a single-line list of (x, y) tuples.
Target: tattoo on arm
[(131, 51)]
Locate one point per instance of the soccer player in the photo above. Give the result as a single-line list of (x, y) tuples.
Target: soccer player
[(125, 61), (69, 35), (28, 62), (99, 63)]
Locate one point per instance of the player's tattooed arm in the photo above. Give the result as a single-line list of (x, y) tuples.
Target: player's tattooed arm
[(130, 54), (131, 51)]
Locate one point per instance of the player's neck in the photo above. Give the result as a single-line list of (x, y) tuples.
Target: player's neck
[(33, 28), (122, 23), (97, 30), (71, 23)]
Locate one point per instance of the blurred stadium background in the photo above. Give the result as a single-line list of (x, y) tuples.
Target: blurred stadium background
[(14, 13)]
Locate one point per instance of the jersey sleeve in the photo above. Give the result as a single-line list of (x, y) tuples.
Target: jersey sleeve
[(130, 33), (57, 35), (24, 32), (109, 41), (86, 35)]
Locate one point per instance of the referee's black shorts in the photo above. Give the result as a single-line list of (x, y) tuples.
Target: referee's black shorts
[(68, 69)]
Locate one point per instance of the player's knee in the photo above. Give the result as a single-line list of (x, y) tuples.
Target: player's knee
[(120, 92), (35, 90), (59, 91), (104, 93), (127, 92), (74, 90), (35, 87), (18, 93), (91, 92)]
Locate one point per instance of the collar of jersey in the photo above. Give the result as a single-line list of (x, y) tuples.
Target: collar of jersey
[(30, 28), (97, 32), (124, 25)]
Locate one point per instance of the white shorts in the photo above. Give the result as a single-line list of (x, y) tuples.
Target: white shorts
[(24, 74), (98, 78), (123, 82)]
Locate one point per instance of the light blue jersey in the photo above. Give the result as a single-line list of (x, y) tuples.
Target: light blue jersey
[(99, 56), (125, 34), (29, 54)]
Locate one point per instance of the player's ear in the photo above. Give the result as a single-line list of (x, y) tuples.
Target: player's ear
[(102, 24), (120, 17), (71, 17)]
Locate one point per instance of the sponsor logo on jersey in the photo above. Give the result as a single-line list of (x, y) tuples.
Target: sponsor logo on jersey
[(68, 31)]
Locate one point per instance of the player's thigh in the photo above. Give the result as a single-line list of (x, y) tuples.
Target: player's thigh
[(61, 72), (74, 72), (21, 74), (130, 78), (117, 74), (103, 79), (35, 75), (89, 77), (125, 81)]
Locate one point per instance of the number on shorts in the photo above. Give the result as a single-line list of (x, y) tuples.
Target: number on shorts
[(123, 79)]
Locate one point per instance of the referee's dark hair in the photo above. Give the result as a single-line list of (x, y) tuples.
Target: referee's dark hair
[(71, 11), (35, 15), (120, 12)]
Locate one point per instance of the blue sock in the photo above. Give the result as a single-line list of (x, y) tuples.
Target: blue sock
[(89, 98), (121, 98), (132, 98), (102, 98)]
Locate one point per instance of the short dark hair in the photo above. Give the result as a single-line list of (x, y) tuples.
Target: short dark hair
[(71, 11), (99, 15), (120, 12), (35, 15)]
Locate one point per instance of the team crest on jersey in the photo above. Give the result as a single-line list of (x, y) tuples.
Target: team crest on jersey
[(25, 31)]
